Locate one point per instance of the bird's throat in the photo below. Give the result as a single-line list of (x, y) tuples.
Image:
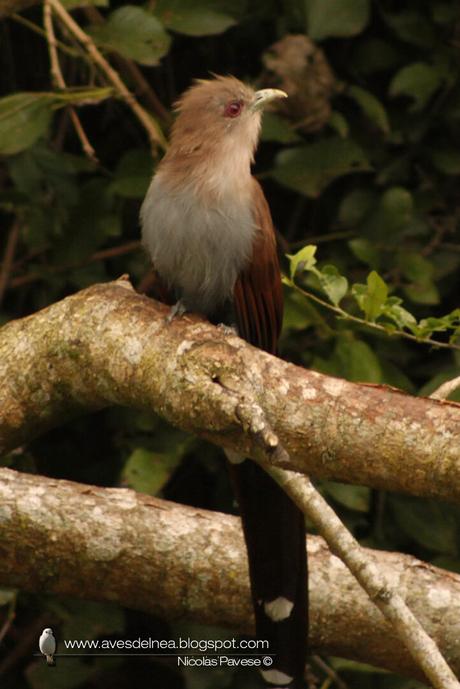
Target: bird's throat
[(214, 175)]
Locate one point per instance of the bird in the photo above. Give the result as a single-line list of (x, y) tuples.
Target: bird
[(47, 645), (207, 228)]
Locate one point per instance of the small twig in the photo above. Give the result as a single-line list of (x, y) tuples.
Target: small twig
[(341, 542), (153, 130), (374, 326), (330, 672), (321, 238), (56, 72), (8, 257), (9, 618), (41, 32), (143, 88), (25, 643), (59, 81), (87, 148), (444, 390), (97, 256), (451, 246)]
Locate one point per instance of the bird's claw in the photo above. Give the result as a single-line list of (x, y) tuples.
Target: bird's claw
[(227, 329), (178, 309)]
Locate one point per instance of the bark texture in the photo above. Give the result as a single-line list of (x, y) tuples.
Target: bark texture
[(108, 345), (117, 545)]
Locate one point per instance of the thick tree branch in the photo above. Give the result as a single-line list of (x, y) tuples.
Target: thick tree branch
[(108, 345), (181, 562)]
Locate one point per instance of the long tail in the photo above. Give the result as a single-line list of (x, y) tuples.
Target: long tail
[(274, 530)]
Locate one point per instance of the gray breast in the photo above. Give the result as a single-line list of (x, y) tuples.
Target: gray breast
[(197, 249)]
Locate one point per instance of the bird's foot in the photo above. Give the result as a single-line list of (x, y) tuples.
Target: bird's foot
[(178, 309), (227, 329)]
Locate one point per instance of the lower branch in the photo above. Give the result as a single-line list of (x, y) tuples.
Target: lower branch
[(367, 572), (344, 545), (181, 562)]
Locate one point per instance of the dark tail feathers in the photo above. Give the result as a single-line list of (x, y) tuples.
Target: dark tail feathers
[(274, 530)]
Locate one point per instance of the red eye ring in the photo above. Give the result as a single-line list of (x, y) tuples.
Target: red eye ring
[(233, 109)]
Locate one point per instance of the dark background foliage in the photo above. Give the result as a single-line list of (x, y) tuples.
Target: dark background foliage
[(365, 165)]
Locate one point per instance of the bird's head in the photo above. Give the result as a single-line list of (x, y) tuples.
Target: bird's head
[(220, 111)]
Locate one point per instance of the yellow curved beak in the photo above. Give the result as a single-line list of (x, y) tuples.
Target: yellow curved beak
[(261, 98)]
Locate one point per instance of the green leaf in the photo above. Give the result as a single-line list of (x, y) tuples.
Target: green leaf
[(334, 284), (398, 203), (428, 326), (355, 206), (437, 380), (309, 169), (276, 128), (423, 293), (200, 18), (88, 223), (412, 27), (444, 12), (134, 33), (446, 161), (397, 378), (148, 472), (372, 296), (419, 271), (72, 4), (352, 359), (358, 362), (83, 95), (371, 107), (344, 665), (391, 216), (375, 55), (133, 174), (327, 18), (24, 118), (355, 498), (393, 310), (302, 260), (7, 596), (419, 81), (297, 315), (427, 522), (338, 123), (415, 267), (365, 251)]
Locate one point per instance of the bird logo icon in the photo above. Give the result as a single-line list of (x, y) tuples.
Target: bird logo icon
[(47, 645)]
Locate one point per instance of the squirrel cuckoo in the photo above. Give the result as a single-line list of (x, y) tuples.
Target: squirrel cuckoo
[(207, 227)]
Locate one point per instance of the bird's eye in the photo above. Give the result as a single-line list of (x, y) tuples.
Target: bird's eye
[(233, 109)]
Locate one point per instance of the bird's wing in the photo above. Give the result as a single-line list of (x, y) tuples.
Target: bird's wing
[(258, 296)]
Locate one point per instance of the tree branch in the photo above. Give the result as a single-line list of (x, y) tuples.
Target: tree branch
[(8, 7), (108, 345), (365, 568), (181, 562), (152, 128)]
